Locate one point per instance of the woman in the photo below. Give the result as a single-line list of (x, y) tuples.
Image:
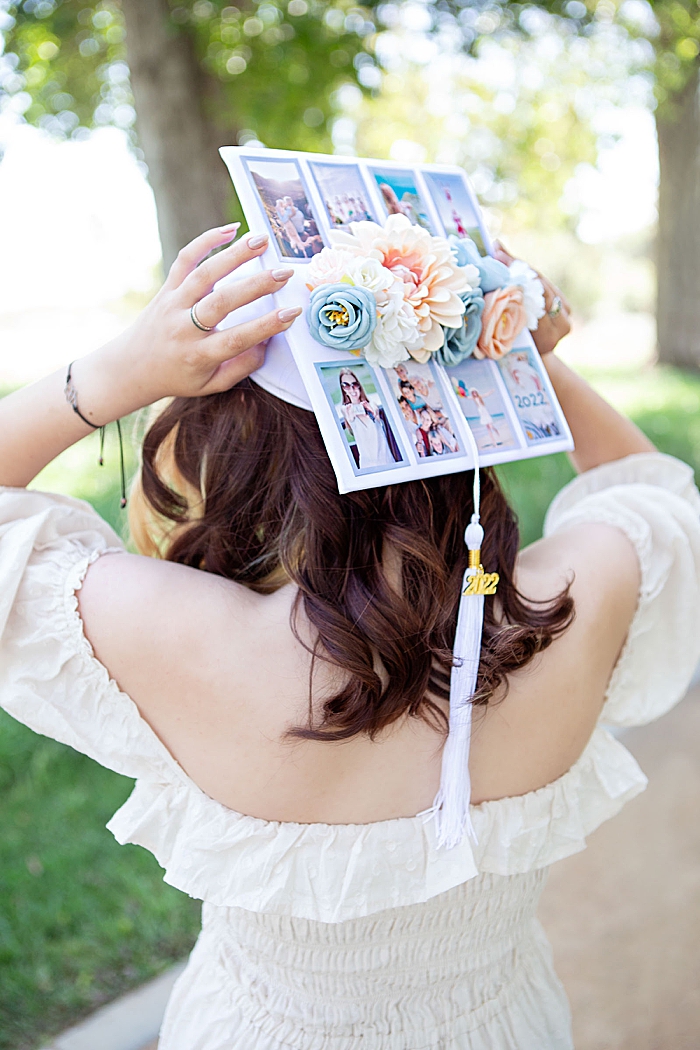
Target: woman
[(485, 417), (364, 422), (276, 677), (285, 209)]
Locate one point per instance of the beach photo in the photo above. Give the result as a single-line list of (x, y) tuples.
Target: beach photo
[(454, 206), (476, 385), (522, 373), (343, 193), (353, 393), (289, 214), (428, 426), (400, 195)]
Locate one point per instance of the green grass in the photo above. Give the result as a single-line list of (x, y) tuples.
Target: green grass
[(83, 919)]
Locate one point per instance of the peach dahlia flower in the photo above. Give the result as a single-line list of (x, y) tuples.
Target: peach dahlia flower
[(425, 266)]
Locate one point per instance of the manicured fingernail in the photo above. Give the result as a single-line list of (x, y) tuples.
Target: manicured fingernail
[(231, 228), (281, 275), (257, 241), (289, 314)]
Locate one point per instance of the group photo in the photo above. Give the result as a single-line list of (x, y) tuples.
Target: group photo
[(349, 525), (289, 213), (343, 192), (429, 429)]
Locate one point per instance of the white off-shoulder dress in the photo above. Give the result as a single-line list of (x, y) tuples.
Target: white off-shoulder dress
[(339, 937)]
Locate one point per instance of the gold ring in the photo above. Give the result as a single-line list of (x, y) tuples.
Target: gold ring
[(198, 323)]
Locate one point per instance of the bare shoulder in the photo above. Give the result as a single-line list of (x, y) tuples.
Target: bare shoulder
[(131, 598), (155, 625), (538, 730), (597, 560)]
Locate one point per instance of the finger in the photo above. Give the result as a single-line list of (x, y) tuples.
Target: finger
[(502, 254), (201, 281), (193, 253), (228, 297), (236, 368), (234, 341)]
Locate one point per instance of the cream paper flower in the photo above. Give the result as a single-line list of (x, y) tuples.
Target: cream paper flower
[(397, 333), (533, 291), (328, 267), (432, 281)]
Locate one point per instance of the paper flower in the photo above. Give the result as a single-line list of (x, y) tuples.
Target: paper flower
[(397, 333), (503, 318), (492, 273), (329, 266), (533, 291), (342, 316), (461, 342), (424, 264)]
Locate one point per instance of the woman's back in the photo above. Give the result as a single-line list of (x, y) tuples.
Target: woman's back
[(219, 674)]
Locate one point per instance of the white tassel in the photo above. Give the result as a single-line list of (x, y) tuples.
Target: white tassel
[(451, 805)]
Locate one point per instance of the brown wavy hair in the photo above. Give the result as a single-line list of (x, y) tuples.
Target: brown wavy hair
[(240, 484)]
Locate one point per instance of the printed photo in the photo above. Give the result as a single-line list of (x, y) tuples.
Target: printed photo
[(400, 195), (523, 377), (455, 207), (343, 193), (430, 430), (476, 386), (354, 396), (287, 208)]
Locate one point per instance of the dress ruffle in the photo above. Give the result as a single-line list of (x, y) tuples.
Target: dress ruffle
[(335, 872), (51, 681)]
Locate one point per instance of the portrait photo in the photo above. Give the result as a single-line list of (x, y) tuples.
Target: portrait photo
[(475, 384), (354, 395), (288, 211), (430, 430), (400, 195), (343, 192), (454, 206), (522, 373)]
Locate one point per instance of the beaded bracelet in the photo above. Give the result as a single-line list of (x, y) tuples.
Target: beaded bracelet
[(72, 399)]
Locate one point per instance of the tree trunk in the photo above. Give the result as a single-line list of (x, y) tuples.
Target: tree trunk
[(190, 181), (678, 246)]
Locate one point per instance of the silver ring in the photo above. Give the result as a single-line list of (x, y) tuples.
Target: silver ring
[(555, 308), (198, 323)]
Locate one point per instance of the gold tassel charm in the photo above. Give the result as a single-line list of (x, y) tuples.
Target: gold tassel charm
[(478, 581)]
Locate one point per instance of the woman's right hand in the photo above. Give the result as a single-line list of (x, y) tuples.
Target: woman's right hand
[(164, 354), (555, 323)]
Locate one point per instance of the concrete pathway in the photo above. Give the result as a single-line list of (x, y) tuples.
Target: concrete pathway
[(623, 917)]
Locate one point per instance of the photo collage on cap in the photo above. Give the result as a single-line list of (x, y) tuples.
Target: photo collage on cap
[(383, 425)]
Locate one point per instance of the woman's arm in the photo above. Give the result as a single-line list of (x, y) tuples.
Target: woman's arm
[(600, 433), (163, 354)]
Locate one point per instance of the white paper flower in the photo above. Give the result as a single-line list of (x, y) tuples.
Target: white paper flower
[(397, 333), (370, 274), (533, 292)]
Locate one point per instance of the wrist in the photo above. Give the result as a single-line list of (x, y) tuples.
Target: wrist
[(106, 385)]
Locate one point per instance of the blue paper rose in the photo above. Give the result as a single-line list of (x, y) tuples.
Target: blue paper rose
[(460, 342), (342, 316), (492, 273)]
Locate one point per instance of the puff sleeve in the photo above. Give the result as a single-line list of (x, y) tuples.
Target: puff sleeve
[(653, 499), (50, 679)]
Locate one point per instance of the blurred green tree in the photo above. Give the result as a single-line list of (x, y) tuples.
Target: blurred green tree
[(191, 76), (670, 33)]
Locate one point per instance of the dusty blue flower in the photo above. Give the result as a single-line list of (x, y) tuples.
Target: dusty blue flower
[(460, 342), (492, 273), (342, 316)]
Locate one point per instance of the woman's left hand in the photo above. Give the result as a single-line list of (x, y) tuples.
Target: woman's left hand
[(555, 323)]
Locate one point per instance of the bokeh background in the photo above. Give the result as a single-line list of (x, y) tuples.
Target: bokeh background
[(579, 125)]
